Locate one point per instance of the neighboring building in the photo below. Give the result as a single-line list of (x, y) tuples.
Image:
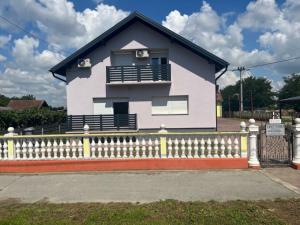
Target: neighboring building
[(4, 108), (20, 105), (143, 73), (219, 103)]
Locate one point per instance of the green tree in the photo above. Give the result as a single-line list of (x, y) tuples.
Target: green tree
[(230, 96), (31, 117), (4, 100), (256, 91), (25, 97), (291, 88)]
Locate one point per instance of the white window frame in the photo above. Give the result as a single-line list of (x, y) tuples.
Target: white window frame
[(110, 101), (168, 112)]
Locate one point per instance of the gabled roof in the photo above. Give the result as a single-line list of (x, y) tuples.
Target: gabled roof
[(26, 104), (60, 68)]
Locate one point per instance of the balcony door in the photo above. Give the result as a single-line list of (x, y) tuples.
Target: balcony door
[(160, 62), (121, 114)]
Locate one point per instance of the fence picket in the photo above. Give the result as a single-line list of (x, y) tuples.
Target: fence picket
[(123, 146)]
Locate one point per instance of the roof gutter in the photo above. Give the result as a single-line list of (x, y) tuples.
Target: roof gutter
[(55, 76), (222, 73)]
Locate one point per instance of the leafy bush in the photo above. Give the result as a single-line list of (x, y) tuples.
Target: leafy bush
[(31, 118)]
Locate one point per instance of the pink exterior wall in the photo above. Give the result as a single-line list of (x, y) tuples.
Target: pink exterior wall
[(191, 75)]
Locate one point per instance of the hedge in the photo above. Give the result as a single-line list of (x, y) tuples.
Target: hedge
[(31, 118)]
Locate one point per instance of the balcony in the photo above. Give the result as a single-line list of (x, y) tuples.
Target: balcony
[(140, 74), (102, 122)]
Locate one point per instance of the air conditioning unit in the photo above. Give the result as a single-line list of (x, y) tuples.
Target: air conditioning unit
[(141, 53), (84, 63)]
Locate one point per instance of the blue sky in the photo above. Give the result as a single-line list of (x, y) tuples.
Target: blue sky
[(242, 32)]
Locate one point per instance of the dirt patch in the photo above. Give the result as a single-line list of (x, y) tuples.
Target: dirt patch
[(288, 211)]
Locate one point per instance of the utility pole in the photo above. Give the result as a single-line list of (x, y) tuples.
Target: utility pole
[(251, 99), (229, 108), (241, 69)]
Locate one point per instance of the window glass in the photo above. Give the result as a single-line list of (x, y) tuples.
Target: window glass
[(154, 61), (163, 60)]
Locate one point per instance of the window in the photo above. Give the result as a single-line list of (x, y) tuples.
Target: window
[(159, 61), (163, 60), (105, 106), (154, 61), (170, 105)]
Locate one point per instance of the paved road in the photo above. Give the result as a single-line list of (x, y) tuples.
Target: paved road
[(143, 186)]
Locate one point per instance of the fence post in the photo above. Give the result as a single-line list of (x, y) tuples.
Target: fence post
[(253, 130), (86, 142), (296, 147), (10, 143), (163, 141), (244, 141)]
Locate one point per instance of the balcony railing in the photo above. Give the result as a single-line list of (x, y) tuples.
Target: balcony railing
[(102, 122), (139, 73)]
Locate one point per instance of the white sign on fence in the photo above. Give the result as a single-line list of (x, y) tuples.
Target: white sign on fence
[(274, 120), (275, 129)]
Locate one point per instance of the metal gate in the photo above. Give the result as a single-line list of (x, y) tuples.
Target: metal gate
[(275, 150)]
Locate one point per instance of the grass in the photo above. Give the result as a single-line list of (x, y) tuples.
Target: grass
[(163, 212)]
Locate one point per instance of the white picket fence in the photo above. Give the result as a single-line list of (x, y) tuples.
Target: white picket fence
[(3, 149), (204, 148), (163, 144), (120, 147)]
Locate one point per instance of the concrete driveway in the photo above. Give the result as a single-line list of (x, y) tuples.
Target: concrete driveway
[(143, 186), (232, 124)]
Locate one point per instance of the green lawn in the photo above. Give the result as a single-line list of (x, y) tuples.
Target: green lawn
[(164, 212)]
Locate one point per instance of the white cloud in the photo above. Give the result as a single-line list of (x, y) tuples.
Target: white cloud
[(2, 58), (94, 26), (63, 25), (277, 85), (26, 55), (291, 9), (4, 40), (98, 1), (205, 29), (260, 14), (175, 21), (229, 78), (27, 74), (60, 24), (278, 29)]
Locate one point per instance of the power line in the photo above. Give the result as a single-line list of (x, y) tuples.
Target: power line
[(270, 63), (23, 29)]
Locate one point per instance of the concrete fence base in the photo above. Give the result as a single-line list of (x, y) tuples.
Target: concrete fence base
[(120, 165)]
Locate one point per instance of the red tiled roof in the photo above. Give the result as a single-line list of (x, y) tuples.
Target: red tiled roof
[(26, 104)]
